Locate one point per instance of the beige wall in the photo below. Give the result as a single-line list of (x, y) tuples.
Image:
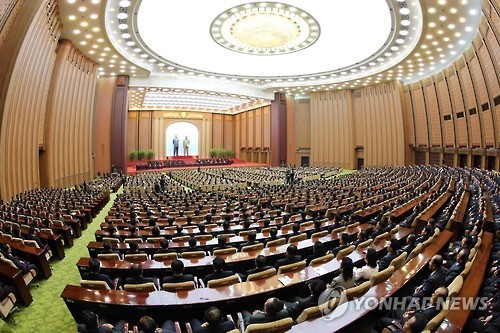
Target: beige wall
[(67, 159), (253, 135), (454, 112), (102, 124)]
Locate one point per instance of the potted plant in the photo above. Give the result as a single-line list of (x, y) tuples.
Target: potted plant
[(133, 155), (140, 154), (229, 153), (213, 152), (150, 153)]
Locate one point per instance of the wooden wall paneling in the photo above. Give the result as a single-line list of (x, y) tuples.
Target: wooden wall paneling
[(244, 131), (132, 125), (400, 140), (359, 120), (258, 127), (267, 127), (251, 128), (485, 118), (458, 107), (293, 130), (443, 97), (470, 104), (409, 125), (387, 151), (315, 129), (229, 132), (237, 135), (420, 116), (330, 112), (433, 114), (217, 133)]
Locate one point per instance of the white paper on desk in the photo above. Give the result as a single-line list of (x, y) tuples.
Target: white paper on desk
[(285, 280), (320, 270)]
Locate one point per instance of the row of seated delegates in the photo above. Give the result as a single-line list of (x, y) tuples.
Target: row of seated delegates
[(160, 164), (15, 232), (22, 264), (487, 320), (213, 161)]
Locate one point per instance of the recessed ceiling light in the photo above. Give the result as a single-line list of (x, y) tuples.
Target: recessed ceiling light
[(124, 3), (76, 31), (84, 24), (404, 11), (95, 29), (122, 26), (72, 17), (94, 16), (82, 9), (122, 16)]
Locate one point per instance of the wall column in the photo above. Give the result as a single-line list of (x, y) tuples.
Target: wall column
[(278, 129), (119, 125)]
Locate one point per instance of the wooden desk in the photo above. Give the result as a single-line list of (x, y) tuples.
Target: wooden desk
[(436, 206), (14, 276), (115, 304), (457, 221), (32, 254)]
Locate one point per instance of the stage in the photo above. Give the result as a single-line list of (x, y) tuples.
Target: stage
[(189, 162)]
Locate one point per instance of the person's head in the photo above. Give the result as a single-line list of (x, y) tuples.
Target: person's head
[(133, 246), (132, 229), (90, 320), (155, 231), (164, 243), (201, 227), (246, 224), (226, 225), (436, 262), (462, 256), (260, 261), (415, 324), (189, 219), (319, 249), (410, 240), (273, 306), (219, 263), (106, 246), (177, 267), (291, 250), (192, 242), (32, 229), (371, 257), (136, 270), (431, 223), (208, 218), (273, 232), (213, 316), (317, 224), (394, 245), (94, 265), (344, 238), (111, 229), (316, 287), (347, 268), (467, 241), (296, 228), (252, 237), (221, 240), (147, 325), (266, 223), (439, 296), (427, 231), (362, 235), (179, 229)]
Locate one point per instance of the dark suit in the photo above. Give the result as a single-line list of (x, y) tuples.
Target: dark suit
[(138, 280), (36, 239), (222, 327), (429, 312), (385, 261), (178, 279), (453, 272), (296, 308), (98, 277), (262, 317), (288, 261), (435, 280), (339, 248), (217, 275)]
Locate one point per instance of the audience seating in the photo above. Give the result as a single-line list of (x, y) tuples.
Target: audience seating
[(223, 282), (262, 275), (174, 287), (292, 267), (149, 286), (94, 284)]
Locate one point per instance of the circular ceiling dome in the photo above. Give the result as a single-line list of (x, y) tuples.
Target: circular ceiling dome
[(265, 28), (180, 33)]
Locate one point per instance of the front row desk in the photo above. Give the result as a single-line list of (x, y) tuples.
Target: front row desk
[(185, 305)]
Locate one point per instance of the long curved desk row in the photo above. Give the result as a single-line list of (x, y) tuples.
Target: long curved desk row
[(115, 304)]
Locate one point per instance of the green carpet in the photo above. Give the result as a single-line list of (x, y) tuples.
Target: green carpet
[(48, 312)]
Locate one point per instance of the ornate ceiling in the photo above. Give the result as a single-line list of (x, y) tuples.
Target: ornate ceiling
[(229, 56)]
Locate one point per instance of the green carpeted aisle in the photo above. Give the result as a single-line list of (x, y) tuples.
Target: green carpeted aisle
[(48, 312)]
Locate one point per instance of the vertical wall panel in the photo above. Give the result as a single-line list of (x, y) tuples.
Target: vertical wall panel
[(217, 131), (102, 125), (420, 116), (433, 115)]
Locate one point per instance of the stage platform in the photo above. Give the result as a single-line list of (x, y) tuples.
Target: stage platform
[(190, 163)]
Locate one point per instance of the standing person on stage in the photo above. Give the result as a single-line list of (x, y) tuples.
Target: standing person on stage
[(185, 145), (176, 146)]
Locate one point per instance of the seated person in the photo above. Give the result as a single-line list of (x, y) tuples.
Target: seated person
[(133, 248), (155, 232), (415, 324), (273, 310), (366, 272), (400, 318), (260, 265), (215, 322), (219, 273), (222, 244), (291, 257), (457, 267), (177, 267), (466, 243), (179, 231), (426, 233), (94, 274), (134, 233), (34, 237), (111, 233), (23, 265), (273, 235), (346, 277), (379, 228), (137, 278), (392, 253), (192, 246), (362, 237), (299, 304), (201, 228), (410, 244), (344, 243), (318, 251), (164, 247), (91, 323), (148, 325), (251, 240), (295, 230), (107, 249), (435, 280)]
